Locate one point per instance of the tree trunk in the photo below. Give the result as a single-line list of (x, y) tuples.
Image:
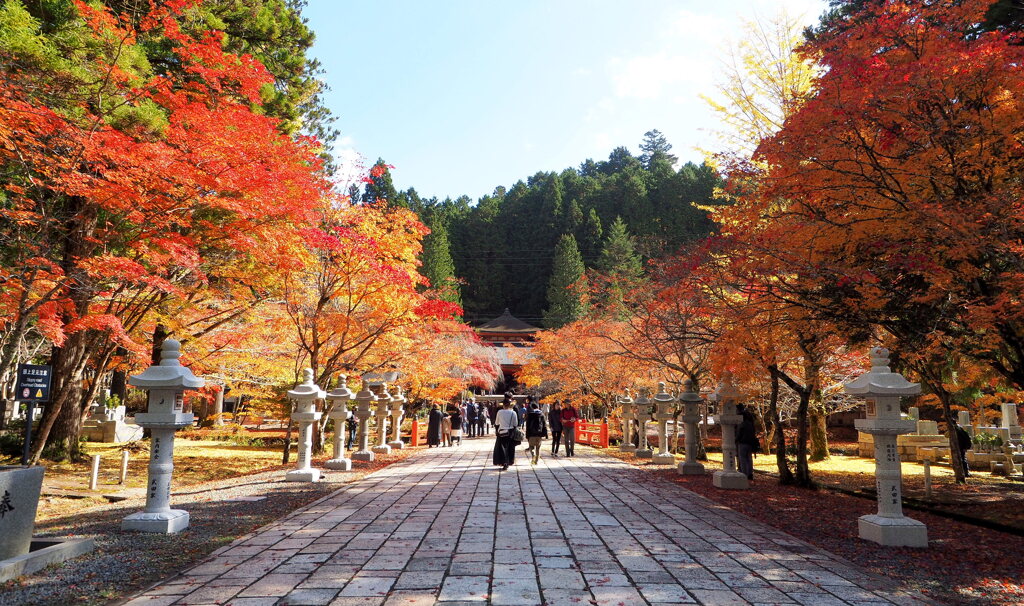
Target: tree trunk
[(803, 471), (64, 440), (68, 362), (785, 475), (287, 445), (819, 433)]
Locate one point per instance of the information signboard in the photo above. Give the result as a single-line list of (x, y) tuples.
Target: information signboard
[(33, 383)]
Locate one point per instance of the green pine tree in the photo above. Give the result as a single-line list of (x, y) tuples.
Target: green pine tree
[(618, 254), (438, 266), (567, 284)]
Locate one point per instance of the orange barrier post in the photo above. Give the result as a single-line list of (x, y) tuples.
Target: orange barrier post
[(604, 433), (414, 439)]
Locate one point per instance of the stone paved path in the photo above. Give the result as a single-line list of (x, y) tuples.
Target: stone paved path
[(445, 527)]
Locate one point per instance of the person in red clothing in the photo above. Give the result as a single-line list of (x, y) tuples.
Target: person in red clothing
[(569, 417)]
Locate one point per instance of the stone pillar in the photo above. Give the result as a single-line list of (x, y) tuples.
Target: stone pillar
[(914, 413), (882, 390), (365, 400), (397, 412), (164, 415), (963, 419), (1009, 426), (340, 396), (642, 411), (383, 400), (664, 401), (627, 423), (305, 395), (691, 416), (727, 397)]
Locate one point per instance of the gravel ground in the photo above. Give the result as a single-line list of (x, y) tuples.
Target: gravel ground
[(125, 562)]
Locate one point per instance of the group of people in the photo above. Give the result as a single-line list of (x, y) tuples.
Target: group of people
[(468, 418), (515, 423)]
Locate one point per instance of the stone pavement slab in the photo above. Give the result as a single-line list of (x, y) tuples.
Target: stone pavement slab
[(446, 527)]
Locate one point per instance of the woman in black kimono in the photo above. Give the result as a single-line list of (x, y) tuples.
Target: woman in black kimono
[(434, 427)]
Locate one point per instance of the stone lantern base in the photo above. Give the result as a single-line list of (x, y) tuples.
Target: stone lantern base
[(302, 475), (730, 480), (381, 449), (339, 464), (894, 532), (690, 469), (627, 447), (396, 445), (163, 522), (664, 459), (362, 455), (646, 453)]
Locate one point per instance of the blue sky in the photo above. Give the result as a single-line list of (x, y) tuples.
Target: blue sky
[(462, 96)]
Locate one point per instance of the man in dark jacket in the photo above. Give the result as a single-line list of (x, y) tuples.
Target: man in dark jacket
[(963, 441), (536, 430), (555, 421), (471, 413), (746, 442)]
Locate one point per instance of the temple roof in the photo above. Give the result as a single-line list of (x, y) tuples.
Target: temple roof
[(506, 322)]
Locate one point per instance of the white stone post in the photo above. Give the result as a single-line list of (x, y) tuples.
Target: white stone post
[(964, 420), (627, 423), (383, 400), (727, 396), (397, 412), (882, 389), (691, 416), (164, 415), (664, 401), (305, 395), (642, 411), (340, 396), (365, 400)]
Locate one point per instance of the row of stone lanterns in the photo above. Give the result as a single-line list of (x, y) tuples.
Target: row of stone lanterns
[(881, 389)]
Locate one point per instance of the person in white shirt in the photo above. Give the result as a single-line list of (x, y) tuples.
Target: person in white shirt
[(505, 422)]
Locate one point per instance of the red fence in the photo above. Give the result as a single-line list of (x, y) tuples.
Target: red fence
[(594, 434)]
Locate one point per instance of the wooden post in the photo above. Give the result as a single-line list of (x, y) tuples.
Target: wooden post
[(95, 475), (124, 466), (414, 437)]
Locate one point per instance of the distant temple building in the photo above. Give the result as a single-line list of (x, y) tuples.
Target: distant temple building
[(512, 340)]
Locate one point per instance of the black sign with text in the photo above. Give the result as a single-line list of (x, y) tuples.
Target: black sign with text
[(33, 383)]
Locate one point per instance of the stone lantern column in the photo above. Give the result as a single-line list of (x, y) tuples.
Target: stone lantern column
[(882, 389), (365, 400), (663, 400), (691, 416), (383, 400), (627, 423), (305, 395), (397, 412), (340, 395), (727, 396), (164, 415), (642, 411)]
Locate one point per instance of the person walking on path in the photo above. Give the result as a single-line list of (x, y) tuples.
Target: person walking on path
[(963, 442), (505, 423), (446, 430), (483, 419), (569, 418), (555, 421), (471, 420), (456, 420), (434, 427), (521, 413), (536, 430), (746, 442)]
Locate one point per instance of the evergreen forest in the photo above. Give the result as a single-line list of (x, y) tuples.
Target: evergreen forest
[(501, 251)]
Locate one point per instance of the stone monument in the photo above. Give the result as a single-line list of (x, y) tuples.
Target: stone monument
[(881, 390), (305, 395), (340, 396), (365, 400), (664, 401), (642, 411), (165, 414), (383, 400), (627, 423), (397, 413), (691, 416), (727, 396)]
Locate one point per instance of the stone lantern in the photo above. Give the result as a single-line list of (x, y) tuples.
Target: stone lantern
[(383, 400), (627, 423), (340, 396), (397, 400), (882, 389), (728, 419), (305, 395), (642, 411), (691, 416), (664, 402), (165, 414), (365, 400)]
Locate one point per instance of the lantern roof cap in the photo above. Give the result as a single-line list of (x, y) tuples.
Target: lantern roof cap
[(169, 373), (689, 395), (880, 380), (307, 389), (341, 390)]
